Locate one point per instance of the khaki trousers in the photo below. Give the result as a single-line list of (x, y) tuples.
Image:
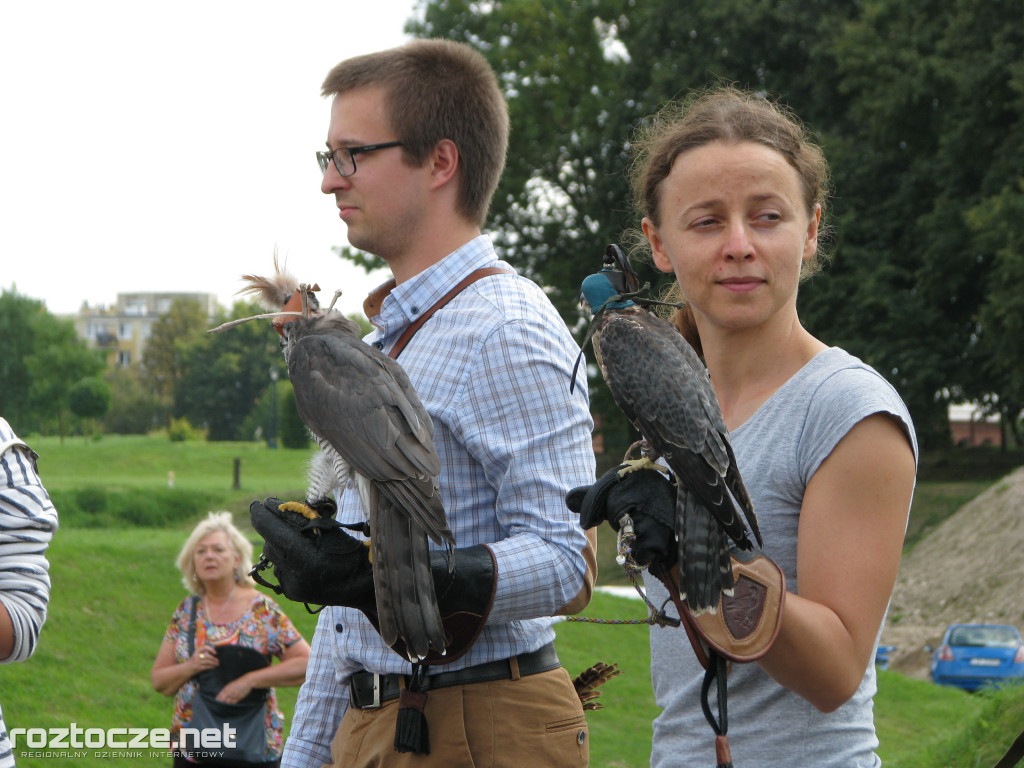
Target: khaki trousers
[(531, 722)]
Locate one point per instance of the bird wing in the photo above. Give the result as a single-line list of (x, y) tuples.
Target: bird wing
[(661, 385), (362, 403)]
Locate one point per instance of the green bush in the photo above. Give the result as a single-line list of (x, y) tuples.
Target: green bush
[(100, 507), (180, 430)]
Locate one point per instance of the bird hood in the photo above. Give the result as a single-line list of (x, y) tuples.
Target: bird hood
[(597, 291)]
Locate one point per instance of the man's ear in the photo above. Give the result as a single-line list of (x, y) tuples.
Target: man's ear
[(444, 162)]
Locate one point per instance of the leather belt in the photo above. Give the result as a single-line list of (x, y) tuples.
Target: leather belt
[(369, 690)]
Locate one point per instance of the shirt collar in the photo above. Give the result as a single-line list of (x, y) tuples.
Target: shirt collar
[(391, 308)]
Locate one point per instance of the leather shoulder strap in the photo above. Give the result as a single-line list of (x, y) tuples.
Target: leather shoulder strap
[(471, 278), (192, 625)]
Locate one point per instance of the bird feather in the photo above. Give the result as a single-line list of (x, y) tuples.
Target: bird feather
[(587, 682)]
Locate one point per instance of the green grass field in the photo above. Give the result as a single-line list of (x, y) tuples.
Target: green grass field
[(114, 588)]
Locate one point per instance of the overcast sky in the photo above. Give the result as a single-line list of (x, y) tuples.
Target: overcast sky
[(170, 146)]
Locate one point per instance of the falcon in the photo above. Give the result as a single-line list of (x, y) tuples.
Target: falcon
[(374, 434), (660, 384)]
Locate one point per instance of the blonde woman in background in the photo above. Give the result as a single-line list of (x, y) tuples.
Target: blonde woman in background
[(229, 612)]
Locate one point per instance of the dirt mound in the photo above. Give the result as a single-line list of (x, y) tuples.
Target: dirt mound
[(968, 569)]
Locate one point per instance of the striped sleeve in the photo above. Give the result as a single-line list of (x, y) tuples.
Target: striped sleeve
[(27, 523)]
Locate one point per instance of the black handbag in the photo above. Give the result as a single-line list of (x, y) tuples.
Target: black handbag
[(247, 718)]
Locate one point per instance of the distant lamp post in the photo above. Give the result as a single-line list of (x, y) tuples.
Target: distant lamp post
[(272, 431)]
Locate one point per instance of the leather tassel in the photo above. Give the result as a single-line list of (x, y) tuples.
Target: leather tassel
[(722, 752), (411, 725)]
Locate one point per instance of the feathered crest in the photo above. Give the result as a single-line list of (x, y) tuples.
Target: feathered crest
[(274, 293), (271, 293), (587, 682)]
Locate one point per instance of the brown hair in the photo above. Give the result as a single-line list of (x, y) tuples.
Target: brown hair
[(434, 90), (723, 113)]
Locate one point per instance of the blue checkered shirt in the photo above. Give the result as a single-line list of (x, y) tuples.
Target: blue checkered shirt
[(493, 368)]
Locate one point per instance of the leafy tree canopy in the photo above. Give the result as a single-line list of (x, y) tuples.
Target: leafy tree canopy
[(917, 103)]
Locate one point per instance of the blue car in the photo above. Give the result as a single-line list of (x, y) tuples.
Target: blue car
[(975, 655)]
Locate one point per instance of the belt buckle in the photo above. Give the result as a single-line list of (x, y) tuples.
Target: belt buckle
[(375, 704)]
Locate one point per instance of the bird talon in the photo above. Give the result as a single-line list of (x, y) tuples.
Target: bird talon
[(297, 506), (635, 465), (633, 447)]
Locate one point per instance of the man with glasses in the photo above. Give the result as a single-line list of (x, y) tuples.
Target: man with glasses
[(415, 148)]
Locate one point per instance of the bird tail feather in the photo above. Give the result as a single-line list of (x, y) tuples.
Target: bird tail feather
[(705, 569), (406, 601)]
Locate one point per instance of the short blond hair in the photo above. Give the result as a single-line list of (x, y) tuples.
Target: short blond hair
[(215, 521)]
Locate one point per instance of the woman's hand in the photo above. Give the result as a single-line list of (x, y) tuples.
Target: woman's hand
[(235, 691), (168, 674), (203, 659)]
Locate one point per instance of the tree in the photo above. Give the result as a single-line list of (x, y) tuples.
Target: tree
[(172, 334), (918, 104), (579, 78), (294, 433), (23, 330), (41, 358), (54, 371), (89, 399), (222, 375), (998, 227), (933, 126), (134, 410)]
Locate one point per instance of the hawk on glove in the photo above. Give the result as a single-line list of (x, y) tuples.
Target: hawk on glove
[(661, 385), (375, 434)]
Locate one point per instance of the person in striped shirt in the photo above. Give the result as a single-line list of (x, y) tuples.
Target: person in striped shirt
[(27, 523)]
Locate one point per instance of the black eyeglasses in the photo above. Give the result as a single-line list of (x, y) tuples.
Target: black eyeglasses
[(345, 157)]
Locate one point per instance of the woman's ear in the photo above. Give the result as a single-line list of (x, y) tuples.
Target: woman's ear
[(661, 260), (811, 243)]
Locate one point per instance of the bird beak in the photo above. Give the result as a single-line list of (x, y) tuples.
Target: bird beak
[(294, 304)]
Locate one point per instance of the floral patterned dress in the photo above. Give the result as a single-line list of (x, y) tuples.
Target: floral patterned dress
[(263, 627)]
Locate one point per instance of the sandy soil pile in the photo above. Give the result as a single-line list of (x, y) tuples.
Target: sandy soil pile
[(969, 569)]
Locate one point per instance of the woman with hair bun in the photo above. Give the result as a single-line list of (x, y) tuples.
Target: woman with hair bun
[(731, 193)]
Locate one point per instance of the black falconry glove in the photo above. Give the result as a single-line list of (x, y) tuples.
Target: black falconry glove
[(647, 496), (316, 562)]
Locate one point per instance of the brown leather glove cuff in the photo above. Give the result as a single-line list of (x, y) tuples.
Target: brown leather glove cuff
[(746, 623), (465, 596)]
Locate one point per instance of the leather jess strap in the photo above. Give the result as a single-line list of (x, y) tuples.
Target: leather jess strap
[(471, 278)]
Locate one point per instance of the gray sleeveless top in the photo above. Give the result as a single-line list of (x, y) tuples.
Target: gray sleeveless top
[(778, 451)]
